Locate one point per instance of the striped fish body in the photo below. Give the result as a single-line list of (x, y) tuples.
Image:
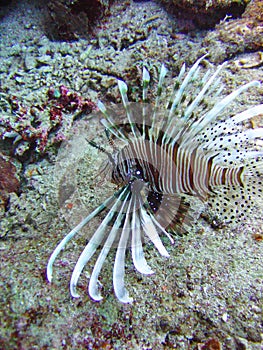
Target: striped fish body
[(171, 169), (163, 161)]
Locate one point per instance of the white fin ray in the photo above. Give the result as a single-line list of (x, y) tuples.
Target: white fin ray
[(119, 264), (151, 232), (71, 234), (217, 129), (162, 229), (93, 283), (138, 258), (248, 113), (157, 101), (145, 86), (189, 110), (209, 117), (123, 91), (93, 244), (178, 96)]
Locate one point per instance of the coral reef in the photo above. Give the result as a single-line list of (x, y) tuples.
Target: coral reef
[(204, 13), (71, 19), (237, 35), (38, 127)]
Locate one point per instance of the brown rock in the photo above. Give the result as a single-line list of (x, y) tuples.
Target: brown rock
[(9, 178), (70, 19)]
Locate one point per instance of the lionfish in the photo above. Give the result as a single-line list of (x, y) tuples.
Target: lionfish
[(162, 161)]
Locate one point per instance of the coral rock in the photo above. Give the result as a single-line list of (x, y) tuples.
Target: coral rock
[(205, 13), (71, 19), (237, 36)]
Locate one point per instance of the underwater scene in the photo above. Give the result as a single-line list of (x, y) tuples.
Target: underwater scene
[(131, 173)]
